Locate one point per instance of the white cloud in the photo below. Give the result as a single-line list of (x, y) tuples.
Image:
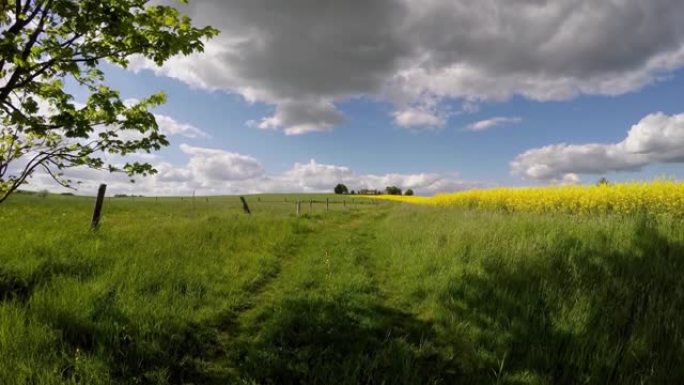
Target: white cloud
[(416, 117), (216, 172), (415, 53), (314, 176), (170, 126), (655, 138), (493, 122), (210, 165), (570, 179)]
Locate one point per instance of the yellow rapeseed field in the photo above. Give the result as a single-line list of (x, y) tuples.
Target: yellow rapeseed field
[(658, 197)]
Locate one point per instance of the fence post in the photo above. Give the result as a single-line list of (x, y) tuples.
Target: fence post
[(244, 205), (344, 203), (310, 206), (327, 204), (98, 207), (298, 206)]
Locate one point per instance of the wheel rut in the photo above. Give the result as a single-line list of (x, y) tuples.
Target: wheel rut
[(318, 239)]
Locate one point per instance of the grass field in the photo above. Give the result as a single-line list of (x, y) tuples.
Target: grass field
[(174, 291)]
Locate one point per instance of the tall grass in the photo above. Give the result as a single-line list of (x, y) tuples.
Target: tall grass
[(172, 291), (543, 299)]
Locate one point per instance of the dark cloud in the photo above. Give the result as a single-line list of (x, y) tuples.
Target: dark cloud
[(300, 117), (300, 55)]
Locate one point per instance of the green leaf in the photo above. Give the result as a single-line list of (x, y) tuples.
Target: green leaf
[(74, 37)]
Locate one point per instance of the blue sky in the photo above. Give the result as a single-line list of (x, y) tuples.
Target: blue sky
[(296, 98)]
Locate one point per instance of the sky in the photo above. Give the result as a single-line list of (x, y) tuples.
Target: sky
[(432, 95)]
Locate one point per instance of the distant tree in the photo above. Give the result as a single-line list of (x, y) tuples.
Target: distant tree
[(602, 182), (392, 190), (341, 189), (43, 193), (352, 192), (408, 192)]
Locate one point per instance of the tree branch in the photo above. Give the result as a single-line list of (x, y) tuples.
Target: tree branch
[(17, 9), (18, 71), (4, 166), (18, 22), (28, 170), (35, 125), (55, 177)]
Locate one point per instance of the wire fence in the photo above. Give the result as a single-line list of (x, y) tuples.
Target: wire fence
[(301, 205)]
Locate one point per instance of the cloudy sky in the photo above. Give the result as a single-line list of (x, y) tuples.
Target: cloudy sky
[(435, 95)]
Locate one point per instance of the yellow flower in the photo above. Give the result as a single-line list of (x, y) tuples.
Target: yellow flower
[(657, 197)]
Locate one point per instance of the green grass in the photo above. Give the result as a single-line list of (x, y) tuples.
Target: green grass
[(173, 291)]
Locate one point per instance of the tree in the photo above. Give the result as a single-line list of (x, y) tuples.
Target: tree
[(603, 182), (341, 189), (408, 192), (44, 44), (392, 190)]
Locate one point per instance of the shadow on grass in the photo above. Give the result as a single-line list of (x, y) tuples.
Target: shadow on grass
[(175, 352), (576, 312), (19, 286), (580, 314), (317, 341)]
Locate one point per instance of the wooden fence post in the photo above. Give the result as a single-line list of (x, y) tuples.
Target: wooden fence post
[(310, 206), (98, 207), (344, 203), (327, 204), (298, 206), (244, 205)]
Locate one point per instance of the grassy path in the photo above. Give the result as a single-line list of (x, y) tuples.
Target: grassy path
[(320, 294), (324, 318)]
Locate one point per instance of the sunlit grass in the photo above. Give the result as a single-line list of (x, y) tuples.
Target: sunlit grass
[(171, 291)]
